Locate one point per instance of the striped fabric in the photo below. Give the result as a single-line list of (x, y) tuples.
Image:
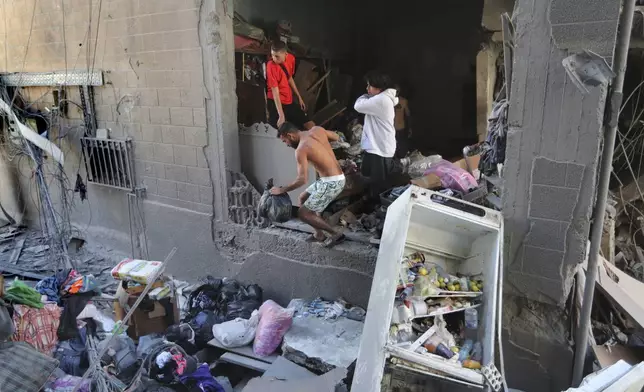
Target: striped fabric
[(23, 368)]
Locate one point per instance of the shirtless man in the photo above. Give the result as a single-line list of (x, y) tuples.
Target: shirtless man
[(313, 146)]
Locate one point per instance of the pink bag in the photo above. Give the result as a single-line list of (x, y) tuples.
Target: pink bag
[(274, 322), (452, 176)]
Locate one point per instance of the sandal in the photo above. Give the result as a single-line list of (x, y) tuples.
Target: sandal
[(335, 240), (313, 238)]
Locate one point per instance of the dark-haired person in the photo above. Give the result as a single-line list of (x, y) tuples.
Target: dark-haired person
[(279, 81), (313, 147), (379, 134)]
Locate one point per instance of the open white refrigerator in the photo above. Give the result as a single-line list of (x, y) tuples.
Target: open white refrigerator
[(461, 237)]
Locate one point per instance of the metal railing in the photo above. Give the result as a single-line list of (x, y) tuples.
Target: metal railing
[(109, 162)]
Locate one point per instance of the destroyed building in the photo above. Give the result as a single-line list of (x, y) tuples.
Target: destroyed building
[(167, 80)]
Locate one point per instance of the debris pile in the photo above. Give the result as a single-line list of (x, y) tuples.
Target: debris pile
[(155, 332)]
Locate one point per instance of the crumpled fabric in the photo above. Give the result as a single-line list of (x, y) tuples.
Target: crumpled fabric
[(73, 306), (495, 142), (51, 286), (163, 358), (179, 365), (20, 293), (72, 354), (202, 379), (68, 383), (81, 284), (37, 326)]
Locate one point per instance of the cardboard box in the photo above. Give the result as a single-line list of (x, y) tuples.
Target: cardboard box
[(150, 317)]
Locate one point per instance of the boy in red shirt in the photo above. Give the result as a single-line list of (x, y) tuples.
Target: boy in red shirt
[(279, 80)]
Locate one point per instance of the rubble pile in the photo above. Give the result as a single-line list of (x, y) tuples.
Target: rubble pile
[(145, 331)]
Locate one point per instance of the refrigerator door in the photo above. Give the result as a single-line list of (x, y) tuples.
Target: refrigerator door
[(371, 357)]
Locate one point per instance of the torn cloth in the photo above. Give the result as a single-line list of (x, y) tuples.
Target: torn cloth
[(37, 326)]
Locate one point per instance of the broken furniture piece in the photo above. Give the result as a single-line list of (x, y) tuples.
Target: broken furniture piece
[(450, 235)]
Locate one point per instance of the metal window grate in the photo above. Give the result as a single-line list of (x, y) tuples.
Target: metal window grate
[(108, 162), (56, 78)]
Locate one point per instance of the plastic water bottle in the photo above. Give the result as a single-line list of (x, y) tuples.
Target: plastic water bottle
[(464, 353), (471, 318), (477, 352)]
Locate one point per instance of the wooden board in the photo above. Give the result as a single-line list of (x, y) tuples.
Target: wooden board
[(329, 112)]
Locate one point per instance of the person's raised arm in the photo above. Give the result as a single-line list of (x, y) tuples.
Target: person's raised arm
[(302, 174), (291, 82), (369, 105)]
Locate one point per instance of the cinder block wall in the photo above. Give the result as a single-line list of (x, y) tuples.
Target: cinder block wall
[(550, 173), (154, 90)]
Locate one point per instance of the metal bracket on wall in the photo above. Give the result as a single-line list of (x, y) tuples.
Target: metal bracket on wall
[(55, 78)]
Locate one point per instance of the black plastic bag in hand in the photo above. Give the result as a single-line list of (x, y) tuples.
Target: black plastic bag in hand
[(275, 208)]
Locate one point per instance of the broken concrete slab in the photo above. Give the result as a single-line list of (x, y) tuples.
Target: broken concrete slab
[(329, 382), (321, 345), (283, 369)]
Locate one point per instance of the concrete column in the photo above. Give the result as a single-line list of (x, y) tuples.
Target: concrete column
[(553, 144), (218, 52), (550, 178)]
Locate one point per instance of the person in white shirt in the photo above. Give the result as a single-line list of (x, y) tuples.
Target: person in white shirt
[(379, 134)]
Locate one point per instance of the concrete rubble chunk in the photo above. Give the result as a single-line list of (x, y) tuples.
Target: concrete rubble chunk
[(329, 382), (322, 345), (283, 369)]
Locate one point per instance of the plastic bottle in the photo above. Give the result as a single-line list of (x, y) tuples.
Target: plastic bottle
[(477, 352), (471, 318), (435, 346), (465, 350)]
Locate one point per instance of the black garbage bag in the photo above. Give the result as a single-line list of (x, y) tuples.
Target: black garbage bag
[(205, 297), (231, 290), (255, 292), (202, 325), (274, 208), (217, 301), (242, 309)]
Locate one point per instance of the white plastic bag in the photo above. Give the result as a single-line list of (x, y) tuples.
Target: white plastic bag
[(238, 332), (274, 322)]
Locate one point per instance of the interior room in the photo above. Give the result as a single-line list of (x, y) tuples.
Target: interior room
[(428, 49)]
